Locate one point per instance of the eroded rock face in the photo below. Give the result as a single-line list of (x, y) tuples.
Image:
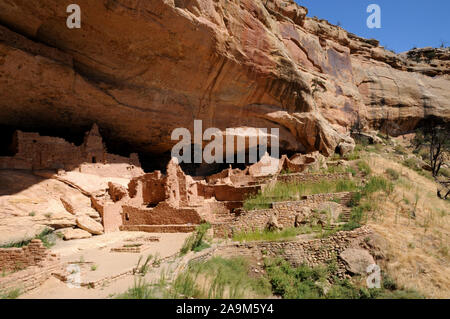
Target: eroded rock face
[(76, 233), (142, 68), (88, 224), (357, 260)]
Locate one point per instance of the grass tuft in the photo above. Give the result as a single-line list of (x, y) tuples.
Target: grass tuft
[(282, 191), (266, 235), (46, 236), (196, 242)]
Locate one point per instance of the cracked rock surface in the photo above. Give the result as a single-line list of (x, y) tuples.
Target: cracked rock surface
[(142, 68)]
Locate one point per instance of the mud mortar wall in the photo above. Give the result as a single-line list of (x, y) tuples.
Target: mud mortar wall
[(285, 213), (313, 252), (293, 178), (26, 268), (12, 259)]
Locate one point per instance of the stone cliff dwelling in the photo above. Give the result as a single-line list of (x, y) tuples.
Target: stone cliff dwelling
[(36, 152), (127, 198)]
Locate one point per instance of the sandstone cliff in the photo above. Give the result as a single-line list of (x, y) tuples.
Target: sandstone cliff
[(142, 68)]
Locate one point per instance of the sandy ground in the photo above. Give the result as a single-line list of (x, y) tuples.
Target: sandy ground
[(96, 251)]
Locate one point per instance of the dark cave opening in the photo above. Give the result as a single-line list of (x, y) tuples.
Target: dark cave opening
[(7, 145), (150, 161)]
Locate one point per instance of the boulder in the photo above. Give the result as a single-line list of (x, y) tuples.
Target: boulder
[(370, 138), (300, 220), (76, 233), (273, 225), (302, 216), (266, 166), (57, 220), (357, 260), (68, 205), (90, 225), (346, 148), (116, 191)]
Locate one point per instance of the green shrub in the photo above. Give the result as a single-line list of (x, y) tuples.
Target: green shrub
[(293, 191), (265, 235), (411, 163), (227, 278), (195, 242), (294, 283), (353, 156), (445, 172), (11, 294), (378, 183), (356, 219), (304, 282), (351, 170), (393, 174), (400, 150), (389, 283), (364, 168), (46, 236), (355, 200), (140, 290)]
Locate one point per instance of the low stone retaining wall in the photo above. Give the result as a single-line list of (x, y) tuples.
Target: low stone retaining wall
[(313, 199), (13, 259), (26, 268), (135, 248), (232, 193), (159, 228), (285, 213), (29, 278), (163, 214), (312, 252), (301, 177)]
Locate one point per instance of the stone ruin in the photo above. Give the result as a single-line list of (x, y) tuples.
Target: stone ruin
[(26, 267), (152, 202), (176, 202), (36, 152)]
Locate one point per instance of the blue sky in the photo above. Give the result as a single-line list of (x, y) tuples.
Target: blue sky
[(404, 23)]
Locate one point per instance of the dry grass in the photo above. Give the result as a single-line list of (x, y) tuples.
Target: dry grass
[(415, 225)]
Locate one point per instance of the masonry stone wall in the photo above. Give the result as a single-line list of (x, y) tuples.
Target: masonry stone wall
[(27, 267), (300, 177), (285, 213), (163, 214), (233, 193), (12, 259), (314, 252), (46, 152), (30, 278), (159, 228), (312, 199)]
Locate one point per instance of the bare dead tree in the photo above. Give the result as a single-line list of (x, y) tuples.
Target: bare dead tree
[(357, 125)]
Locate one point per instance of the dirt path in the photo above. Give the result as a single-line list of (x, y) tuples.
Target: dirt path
[(97, 262)]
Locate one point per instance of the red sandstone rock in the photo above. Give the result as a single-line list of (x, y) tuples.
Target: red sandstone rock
[(76, 233), (263, 64), (357, 260), (273, 225), (117, 192), (89, 225), (68, 205)]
